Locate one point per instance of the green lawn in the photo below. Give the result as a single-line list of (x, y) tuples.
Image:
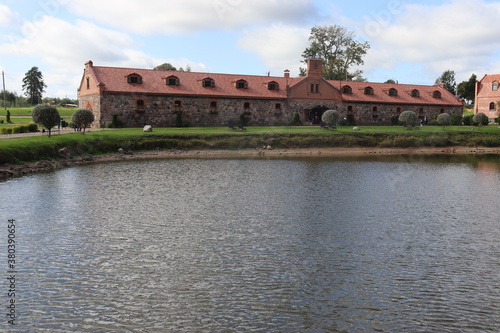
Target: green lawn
[(64, 112)]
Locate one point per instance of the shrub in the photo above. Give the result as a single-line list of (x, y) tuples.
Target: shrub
[(8, 117), (178, 119), (409, 119), (456, 120), (45, 115), (296, 120), (433, 122), (330, 117), (1, 121), (244, 120), (394, 120), (32, 127), (444, 119), (82, 118), (480, 119), (467, 120)]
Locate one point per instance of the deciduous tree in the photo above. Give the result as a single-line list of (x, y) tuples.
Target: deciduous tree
[(448, 79), (165, 67), (338, 49), (409, 119), (82, 118), (45, 115), (467, 89)]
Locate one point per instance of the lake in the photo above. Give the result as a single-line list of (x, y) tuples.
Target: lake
[(380, 244)]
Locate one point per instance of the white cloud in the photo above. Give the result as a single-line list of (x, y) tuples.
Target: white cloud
[(278, 46), (6, 15), (65, 47), (187, 16), (459, 35)]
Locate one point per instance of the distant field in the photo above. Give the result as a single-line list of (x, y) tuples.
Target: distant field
[(64, 112)]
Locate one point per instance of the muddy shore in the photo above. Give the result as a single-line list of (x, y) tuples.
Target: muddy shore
[(13, 170)]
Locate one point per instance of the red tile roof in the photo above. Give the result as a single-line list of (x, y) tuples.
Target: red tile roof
[(404, 93), (114, 80), (153, 82)]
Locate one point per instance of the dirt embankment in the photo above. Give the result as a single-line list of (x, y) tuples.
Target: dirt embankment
[(12, 170)]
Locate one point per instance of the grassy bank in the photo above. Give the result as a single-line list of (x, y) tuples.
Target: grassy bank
[(40, 147)]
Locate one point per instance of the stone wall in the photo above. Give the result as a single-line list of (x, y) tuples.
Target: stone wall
[(161, 111)]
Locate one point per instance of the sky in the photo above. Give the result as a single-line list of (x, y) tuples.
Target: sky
[(411, 41)]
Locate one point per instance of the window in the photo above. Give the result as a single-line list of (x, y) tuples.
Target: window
[(173, 81), (375, 109), (88, 83), (177, 103), (347, 90), (208, 82), (273, 86), (213, 105), (368, 91), (349, 109), (241, 84), (134, 78), (492, 106), (494, 86), (314, 88), (375, 112), (278, 106), (415, 93), (393, 92), (436, 94), (398, 110), (246, 105), (140, 103)]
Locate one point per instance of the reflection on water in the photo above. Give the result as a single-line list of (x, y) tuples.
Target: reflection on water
[(393, 244)]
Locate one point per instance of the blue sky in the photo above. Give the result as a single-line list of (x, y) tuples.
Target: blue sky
[(411, 41)]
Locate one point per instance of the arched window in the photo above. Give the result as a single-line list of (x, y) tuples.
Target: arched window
[(393, 92), (273, 85), (494, 86), (173, 81), (246, 105), (349, 109), (88, 83), (436, 94), (415, 93), (492, 106), (241, 84), (134, 78), (347, 90), (208, 82), (368, 91)]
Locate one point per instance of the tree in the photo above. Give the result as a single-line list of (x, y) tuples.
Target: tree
[(409, 119), (444, 119), (448, 79), (82, 118), (335, 45), (45, 115), (165, 67), (330, 118), (467, 89), (33, 85), (391, 81), (480, 119)]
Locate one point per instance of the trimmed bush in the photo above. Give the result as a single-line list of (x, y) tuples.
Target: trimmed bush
[(330, 118), (467, 120), (444, 119), (45, 115), (408, 119), (82, 118), (456, 120), (296, 120), (480, 119)]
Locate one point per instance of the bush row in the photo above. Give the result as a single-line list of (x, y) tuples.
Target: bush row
[(19, 129)]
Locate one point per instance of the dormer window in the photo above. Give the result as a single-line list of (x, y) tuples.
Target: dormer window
[(208, 82), (273, 86), (347, 90), (242, 84), (393, 92), (415, 93), (134, 78), (368, 91), (494, 86), (436, 94), (173, 81)]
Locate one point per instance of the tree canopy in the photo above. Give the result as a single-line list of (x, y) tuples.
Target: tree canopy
[(83, 118), (335, 45), (33, 85), (467, 89), (448, 79), (45, 115), (165, 67)]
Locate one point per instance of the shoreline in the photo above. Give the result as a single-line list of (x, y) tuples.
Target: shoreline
[(15, 170)]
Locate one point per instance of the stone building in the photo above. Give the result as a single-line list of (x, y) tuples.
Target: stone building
[(488, 96), (143, 96)]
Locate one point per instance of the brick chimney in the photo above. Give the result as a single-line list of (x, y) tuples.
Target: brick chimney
[(315, 68)]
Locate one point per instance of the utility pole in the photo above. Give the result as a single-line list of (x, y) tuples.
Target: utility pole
[(4, 100)]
